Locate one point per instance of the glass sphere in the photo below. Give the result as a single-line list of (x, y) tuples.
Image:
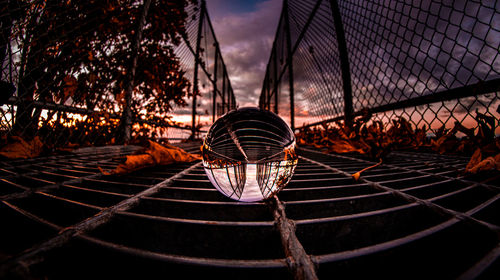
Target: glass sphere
[(249, 154)]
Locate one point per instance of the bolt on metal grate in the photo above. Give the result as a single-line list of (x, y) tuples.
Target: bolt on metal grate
[(431, 62), (411, 217)]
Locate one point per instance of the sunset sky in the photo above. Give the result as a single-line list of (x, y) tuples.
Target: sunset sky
[(245, 31)]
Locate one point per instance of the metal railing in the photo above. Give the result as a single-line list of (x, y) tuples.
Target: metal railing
[(431, 62), (99, 73), (209, 70)]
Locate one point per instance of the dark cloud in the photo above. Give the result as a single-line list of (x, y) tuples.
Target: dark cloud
[(221, 8)]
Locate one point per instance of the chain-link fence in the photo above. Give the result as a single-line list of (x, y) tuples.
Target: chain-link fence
[(431, 62), (102, 72), (214, 86)]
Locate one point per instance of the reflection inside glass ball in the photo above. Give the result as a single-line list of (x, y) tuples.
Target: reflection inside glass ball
[(249, 154)]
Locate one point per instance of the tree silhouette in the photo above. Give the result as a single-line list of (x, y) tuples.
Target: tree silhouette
[(80, 53)]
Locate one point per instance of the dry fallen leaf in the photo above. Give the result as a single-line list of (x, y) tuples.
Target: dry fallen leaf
[(133, 163), (357, 175), (489, 163), (22, 149), (155, 154), (343, 146), (477, 163), (474, 160)]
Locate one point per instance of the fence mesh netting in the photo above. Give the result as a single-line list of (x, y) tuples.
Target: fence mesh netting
[(432, 62)]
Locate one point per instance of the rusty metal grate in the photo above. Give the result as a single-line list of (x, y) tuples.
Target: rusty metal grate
[(412, 217)]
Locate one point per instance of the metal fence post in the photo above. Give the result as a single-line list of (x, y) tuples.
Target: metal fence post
[(290, 65), (196, 64), (344, 61), (6, 23), (223, 105), (215, 81), (275, 79), (224, 84), (233, 99)]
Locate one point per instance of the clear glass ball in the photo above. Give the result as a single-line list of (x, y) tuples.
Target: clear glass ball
[(249, 154)]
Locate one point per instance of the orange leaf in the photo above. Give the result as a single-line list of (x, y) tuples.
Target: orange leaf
[(474, 160), (133, 163), (104, 172), (490, 163), (23, 149), (169, 154), (156, 154), (342, 146), (357, 175)]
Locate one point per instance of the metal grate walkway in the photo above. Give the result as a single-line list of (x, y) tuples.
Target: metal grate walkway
[(411, 217)]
